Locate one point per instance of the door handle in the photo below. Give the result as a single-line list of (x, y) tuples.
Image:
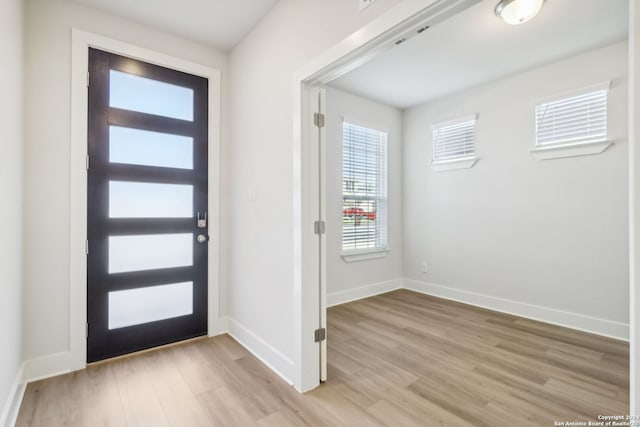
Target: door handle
[(202, 222)]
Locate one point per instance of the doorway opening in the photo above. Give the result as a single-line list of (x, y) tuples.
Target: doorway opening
[(132, 175), (147, 206), (326, 81)]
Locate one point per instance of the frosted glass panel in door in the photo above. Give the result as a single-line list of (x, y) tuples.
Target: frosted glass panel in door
[(144, 305), (135, 93), (144, 200), (141, 147), (150, 252)]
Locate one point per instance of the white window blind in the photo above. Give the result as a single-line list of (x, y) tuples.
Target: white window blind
[(454, 140), (576, 119), (364, 188)]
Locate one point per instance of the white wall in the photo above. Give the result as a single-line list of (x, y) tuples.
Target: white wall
[(344, 280), (11, 170), (47, 145), (261, 244), (551, 233)]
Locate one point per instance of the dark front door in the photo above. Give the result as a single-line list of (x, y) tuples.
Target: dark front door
[(147, 206)]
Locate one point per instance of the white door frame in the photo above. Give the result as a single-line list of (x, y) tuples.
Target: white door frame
[(634, 204), (380, 35), (347, 55), (81, 41)]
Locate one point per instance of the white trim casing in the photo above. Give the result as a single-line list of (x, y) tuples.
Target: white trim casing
[(355, 256), (566, 319), (569, 150), (454, 165), (81, 41), (306, 305)]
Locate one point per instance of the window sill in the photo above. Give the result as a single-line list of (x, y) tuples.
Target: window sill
[(365, 255), (569, 150), (453, 165)]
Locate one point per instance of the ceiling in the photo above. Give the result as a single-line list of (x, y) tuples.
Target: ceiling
[(218, 23), (476, 47)]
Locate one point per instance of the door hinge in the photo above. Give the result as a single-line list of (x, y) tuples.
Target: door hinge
[(87, 79), (320, 334), (86, 246), (87, 162), (318, 119), (319, 227), (86, 330)]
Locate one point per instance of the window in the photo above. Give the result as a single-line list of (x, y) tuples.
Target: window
[(566, 125), (454, 143), (576, 119), (364, 189)]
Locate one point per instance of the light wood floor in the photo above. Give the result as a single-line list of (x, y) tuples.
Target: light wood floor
[(399, 359)]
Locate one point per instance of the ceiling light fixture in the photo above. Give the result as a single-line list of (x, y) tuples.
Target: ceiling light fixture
[(516, 12)]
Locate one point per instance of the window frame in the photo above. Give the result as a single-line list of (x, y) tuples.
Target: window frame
[(465, 162), (382, 201), (577, 147)]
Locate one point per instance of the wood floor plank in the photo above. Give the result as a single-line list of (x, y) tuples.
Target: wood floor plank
[(263, 387), (598, 402), (179, 403), (397, 359), (279, 419), (379, 388), (141, 404), (392, 415), (55, 402), (102, 401), (230, 347), (201, 368), (342, 409), (527, 391), (229, 407)]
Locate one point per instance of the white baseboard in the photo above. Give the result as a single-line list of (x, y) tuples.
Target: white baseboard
[(270, 356), (14, 400), (48, 366), (337, 298), (222, 327), (65, 362), (567, 319)]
